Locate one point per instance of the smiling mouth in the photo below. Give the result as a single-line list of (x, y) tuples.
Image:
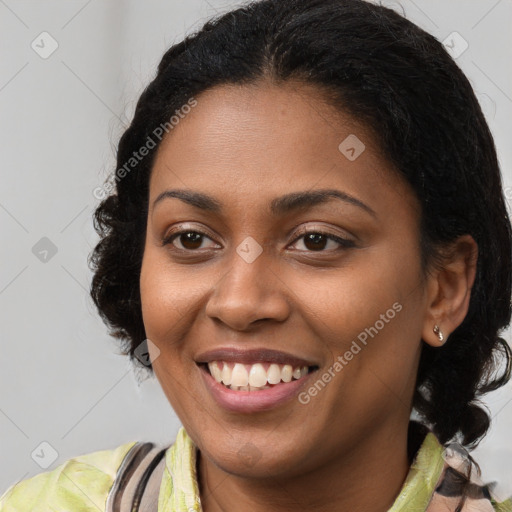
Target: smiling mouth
[(254, 377)]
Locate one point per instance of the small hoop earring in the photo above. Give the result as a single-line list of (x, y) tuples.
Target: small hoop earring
[(438, 332)]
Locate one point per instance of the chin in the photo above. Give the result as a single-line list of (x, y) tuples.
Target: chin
[(256, 456)]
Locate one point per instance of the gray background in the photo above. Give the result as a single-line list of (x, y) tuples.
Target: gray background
[(61, 379)]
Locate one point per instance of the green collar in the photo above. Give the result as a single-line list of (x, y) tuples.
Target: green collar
[(179, 489), (424, 473)]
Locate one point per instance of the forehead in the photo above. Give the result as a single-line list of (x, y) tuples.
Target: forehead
[(255, 142)]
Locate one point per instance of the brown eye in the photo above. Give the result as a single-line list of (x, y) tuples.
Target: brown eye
[(189, 240), (317, 241)]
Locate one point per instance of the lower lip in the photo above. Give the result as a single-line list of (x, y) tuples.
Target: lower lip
[(252, 401)]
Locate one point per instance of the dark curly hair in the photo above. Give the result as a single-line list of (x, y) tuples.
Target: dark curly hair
[(375, 64)]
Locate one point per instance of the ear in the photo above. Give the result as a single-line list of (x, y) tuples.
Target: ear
[(449, 289)]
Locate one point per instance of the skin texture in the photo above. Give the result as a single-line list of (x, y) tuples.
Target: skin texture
[(346, 448)]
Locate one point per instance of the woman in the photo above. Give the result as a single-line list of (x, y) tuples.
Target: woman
[(307, 234)]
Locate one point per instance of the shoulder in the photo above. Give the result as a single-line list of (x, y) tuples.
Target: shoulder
[(478, 496), (455, 483), (444, 478), (80, 483)]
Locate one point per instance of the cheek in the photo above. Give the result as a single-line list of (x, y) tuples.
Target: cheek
[(166, 296), (161, 290), (369, 314), (343, 303)]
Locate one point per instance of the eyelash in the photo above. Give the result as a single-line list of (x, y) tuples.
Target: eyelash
[(344, 243)]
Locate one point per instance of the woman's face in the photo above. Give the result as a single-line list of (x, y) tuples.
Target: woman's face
[(246, 285)]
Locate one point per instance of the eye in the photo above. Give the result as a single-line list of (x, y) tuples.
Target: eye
[(189, 239), (316, 241)]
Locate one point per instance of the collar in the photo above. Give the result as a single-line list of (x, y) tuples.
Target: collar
[(179, 489)]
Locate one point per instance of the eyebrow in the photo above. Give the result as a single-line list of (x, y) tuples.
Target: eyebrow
[(278, 206)]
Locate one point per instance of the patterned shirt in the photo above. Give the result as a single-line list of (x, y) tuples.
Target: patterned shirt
[(86, 483)]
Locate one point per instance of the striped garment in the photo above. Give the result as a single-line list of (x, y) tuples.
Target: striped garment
[(163, 479)]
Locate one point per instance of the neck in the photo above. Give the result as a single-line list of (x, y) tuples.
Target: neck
[(368, 478)]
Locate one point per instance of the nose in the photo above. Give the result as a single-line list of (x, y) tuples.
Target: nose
[(249, 292)]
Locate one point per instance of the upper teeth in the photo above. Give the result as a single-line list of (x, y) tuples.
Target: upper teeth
[(250, 376)]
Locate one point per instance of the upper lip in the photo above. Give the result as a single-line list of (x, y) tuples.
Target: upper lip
[(249, 356)]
